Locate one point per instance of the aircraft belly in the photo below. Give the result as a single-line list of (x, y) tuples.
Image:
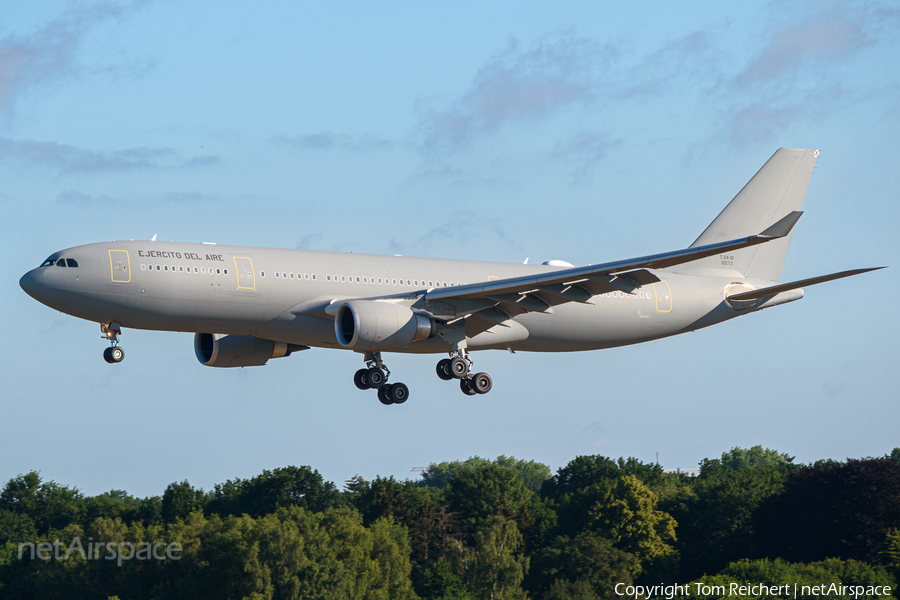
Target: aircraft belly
[(618, 320)]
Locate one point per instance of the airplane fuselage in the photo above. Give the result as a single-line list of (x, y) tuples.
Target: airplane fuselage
[(277, 294)]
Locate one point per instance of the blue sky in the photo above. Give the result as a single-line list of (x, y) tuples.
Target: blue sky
[(584, 132)]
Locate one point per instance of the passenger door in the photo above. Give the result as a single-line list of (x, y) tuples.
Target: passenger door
[(119, 266), (246, 279)]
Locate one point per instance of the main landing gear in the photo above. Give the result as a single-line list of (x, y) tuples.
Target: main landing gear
[(375, 376), (115, 353), (459, 366)]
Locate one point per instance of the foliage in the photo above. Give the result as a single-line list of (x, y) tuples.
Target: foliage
[(47, 504), (844, 510), (717, 516), (756, 457), (584, 471), (495, 567), (271, 490), (778, 573), (532, 473), (587, 566), (475, 529)]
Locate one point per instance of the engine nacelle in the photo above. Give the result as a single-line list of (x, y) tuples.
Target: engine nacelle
[(221, 350), (367, 325)]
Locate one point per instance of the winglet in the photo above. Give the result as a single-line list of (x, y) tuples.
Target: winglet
[(783, 226)]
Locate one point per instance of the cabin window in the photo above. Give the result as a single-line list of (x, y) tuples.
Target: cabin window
[(143, 267), (314, 276), (157, 268), (328, 277), (276, 274), (218, 272), (292, 275), (379, 280), (430, 284), (306, 276)]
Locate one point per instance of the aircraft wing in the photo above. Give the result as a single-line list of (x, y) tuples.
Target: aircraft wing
[(540, 292)]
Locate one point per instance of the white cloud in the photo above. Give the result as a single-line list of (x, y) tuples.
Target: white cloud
[(518, 84), (49, 53), (66, 159)]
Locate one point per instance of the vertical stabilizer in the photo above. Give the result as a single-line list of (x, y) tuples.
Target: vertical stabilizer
[(777, 189)]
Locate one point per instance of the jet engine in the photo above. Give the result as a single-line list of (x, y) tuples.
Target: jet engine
[(367, 325), (221, 350)]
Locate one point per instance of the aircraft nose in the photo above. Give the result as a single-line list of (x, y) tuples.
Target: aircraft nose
[(30, 284)]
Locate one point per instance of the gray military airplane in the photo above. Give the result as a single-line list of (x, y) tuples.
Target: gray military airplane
[(249, 305)]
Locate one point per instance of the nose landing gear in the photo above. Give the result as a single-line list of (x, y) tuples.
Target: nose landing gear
[(459, 366), (115, 353), (375, 376)]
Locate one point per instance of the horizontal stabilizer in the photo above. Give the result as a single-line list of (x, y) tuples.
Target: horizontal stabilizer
[(777, 289)]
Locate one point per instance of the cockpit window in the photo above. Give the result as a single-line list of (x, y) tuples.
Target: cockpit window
[(49, 262), (61, 262), (71, 262)]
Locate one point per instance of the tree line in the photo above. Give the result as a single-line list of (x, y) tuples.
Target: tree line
[(466, 530)]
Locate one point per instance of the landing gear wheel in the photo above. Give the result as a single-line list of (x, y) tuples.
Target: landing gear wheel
[(375, 377), (359, 378), (398, 393), (465, 386), (107, 355), (384, 395), (117, 354), (443, 369), (459, 368), (481, 383)]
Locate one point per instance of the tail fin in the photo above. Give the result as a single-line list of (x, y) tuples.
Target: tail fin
[(777, 189)]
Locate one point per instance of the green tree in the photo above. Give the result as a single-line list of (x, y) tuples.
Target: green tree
[(588, 566), (716, 518), (179, 500), (584, 471), (481, 493), (756, 457), (494, 568), (271, 490), (626, 515), (418, 508), (439, 582), (532, 473), (48, 504), (843, 510)]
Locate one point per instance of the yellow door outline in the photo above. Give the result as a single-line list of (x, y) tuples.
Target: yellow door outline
[(667, 299), (116, 268), (237, 269)]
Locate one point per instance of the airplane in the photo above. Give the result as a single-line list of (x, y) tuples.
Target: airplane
[(247, 305)]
